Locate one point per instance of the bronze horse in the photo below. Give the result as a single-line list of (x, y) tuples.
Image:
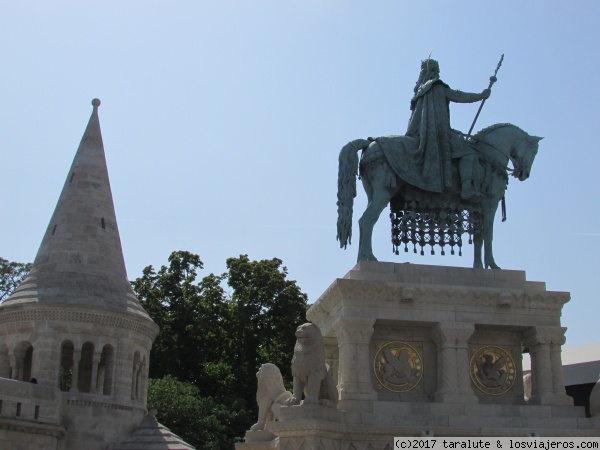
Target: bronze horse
[(497, 145)]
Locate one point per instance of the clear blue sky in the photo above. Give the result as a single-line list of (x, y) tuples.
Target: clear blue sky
[(223, 121)]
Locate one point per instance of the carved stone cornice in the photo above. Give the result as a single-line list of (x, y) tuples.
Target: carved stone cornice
[(91, 403), (349, 294), (24, 316), (544, 336), (101, 401), (348, 289), (31, 427), (307, 427)]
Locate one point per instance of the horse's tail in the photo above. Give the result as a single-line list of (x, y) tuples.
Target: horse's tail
[(348, 167)]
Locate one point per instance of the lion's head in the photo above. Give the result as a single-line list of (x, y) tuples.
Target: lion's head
[(308, 339)]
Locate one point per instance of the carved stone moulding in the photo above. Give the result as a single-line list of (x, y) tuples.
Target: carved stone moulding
[(23, 316), (55, 431), (390, 288), (261, 436)]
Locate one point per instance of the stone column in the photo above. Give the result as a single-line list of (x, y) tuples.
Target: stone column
[(134, 380), (75, 377), (4, 364), (94, 382), (548, 385), (121, 384), (463, 362), (354, 378), (453, 378), (14, 371), (558, 376), (138, 381), (144, 389), (100, 382)]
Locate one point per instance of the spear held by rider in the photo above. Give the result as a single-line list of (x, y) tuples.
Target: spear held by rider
[(493, 79)]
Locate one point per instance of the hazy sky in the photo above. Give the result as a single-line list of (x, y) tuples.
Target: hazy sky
[(223, 121)]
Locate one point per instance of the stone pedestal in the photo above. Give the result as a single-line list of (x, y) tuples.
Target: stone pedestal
[(423, 350), (408, 332)]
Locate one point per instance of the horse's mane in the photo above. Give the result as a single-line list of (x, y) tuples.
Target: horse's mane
[(483, 133)]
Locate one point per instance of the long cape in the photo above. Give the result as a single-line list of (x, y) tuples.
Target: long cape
[(429, 126), (409, 163)]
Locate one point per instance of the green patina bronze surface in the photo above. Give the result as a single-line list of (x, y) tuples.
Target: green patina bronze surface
[(441, 184)]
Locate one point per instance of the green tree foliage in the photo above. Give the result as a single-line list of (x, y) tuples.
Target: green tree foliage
[(11, 276), (266, 309), (216, 332), (200, 421), (191, 317)]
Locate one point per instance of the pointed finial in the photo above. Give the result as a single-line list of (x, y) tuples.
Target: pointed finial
[(96, 102)]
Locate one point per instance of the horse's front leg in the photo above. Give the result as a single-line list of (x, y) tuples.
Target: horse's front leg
[(366, 223), (478, 241), (489, 213)]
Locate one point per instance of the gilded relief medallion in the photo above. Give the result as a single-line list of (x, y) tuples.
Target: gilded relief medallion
[(398, 366), (493, 370)]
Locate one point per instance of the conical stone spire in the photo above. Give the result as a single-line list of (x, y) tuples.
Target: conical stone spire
[(80, 260)]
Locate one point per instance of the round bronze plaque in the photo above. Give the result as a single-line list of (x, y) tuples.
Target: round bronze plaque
[(493, 370), (398, 366)]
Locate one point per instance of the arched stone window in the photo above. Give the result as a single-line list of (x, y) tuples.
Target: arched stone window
[(65, 374), (86, 364), (105, 370), (4, 362), (23, 360)]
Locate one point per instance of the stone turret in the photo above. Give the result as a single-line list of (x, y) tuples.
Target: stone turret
[(80, 260), (74, 325)]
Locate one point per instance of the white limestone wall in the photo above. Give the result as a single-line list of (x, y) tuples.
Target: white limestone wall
[(30, 416), (21, 400), (108, 403), (94, 422)]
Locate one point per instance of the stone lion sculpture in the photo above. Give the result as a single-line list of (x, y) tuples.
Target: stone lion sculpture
[(270, 395), (311, 375)]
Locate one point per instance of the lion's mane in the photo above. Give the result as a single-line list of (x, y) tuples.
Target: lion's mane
[(308, 364), (270, 385), (270, 395), (308, 353)]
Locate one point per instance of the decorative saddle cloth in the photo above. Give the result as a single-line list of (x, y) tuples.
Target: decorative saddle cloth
[(428, 219)]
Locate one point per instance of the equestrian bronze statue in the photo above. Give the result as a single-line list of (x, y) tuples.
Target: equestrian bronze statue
[(440, 184)]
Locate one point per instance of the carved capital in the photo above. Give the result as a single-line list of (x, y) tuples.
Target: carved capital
[(452, 334), (536, 336), (353, 330)]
